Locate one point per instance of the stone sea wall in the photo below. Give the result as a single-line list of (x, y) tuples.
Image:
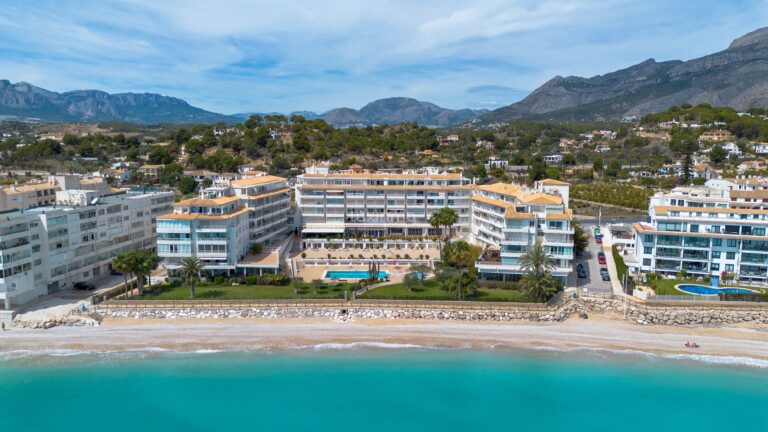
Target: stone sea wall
[(681, 314), (352, 312), (642, 313)]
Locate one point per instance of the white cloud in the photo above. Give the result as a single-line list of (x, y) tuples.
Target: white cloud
[(238, 55)]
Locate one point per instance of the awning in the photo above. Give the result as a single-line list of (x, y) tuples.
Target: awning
[(323, 228)]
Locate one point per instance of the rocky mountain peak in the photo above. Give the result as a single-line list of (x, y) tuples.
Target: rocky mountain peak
[(751, 38)]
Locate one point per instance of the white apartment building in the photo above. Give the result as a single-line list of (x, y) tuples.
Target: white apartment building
[(706, 232), (49, 248), (222, 225), (508, 219), (344, 206), (44, 193)]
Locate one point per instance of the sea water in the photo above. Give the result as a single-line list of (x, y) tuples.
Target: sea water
[(364, 388)]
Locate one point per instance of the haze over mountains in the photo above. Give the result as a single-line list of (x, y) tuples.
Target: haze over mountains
[(28, 101), (735, 77)]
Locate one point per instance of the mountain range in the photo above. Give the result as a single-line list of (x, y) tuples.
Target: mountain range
[(391, 111), (735, 77), (28, 101)]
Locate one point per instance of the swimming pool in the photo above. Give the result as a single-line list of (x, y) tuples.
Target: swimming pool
[(710, 291), (352, 274)]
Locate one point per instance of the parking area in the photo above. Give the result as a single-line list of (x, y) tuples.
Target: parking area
[(59, 304), (593, 282)]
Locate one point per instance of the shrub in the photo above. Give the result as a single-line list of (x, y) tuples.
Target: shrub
[(303, 254), (218, 280), (251, 280)]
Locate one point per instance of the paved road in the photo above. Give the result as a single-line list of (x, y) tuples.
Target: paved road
[(593, 282)]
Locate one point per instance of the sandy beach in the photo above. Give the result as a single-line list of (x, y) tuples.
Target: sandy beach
[(248, 334)]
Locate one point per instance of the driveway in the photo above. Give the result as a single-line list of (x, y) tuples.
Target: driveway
[(588, 258), (59, 304)]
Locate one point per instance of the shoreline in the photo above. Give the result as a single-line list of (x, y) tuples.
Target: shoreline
[(739, 344)]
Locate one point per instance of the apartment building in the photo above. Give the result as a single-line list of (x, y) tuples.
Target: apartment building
[(706, 232), (508, 219), (44, 193), (49, 248), (341, 208), (222, 225), (393, 205)]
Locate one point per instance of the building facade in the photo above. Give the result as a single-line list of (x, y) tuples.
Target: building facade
[(49, 248), (508, 219), (221, 227), (395, 206), (706, 232)]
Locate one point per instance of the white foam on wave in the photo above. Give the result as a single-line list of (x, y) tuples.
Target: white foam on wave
[(607, 353), (362, 345)]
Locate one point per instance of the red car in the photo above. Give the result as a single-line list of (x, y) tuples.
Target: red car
[(601, 258), (599, 240)]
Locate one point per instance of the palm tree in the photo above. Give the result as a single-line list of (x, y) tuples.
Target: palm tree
[(120, 264), (190, 270), (537, 265), (445, 217), (142, 262)]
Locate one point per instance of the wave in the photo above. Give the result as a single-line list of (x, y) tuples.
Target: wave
[(362, 345), (608, 354)]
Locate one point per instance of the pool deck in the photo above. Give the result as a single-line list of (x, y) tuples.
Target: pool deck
[(312, 272)]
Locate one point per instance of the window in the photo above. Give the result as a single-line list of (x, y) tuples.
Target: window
[(648, 250), (694, 228), (649, 239), (715, 254), (646, 261), (733, 243), (729, 267), (730, 255), (715, 267), (717, 242)]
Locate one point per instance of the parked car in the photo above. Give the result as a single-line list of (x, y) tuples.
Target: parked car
[(599, 240), (580, 272), (606, 277), (601, 258), (84, 286), (603, 271)]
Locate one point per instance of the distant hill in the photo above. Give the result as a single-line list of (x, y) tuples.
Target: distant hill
[(398, 110), (28, 101), (736, 77)]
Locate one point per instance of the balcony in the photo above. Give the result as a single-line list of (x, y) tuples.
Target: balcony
[(694, 267), (696, 255), (667, 265), (666, 254), (665, 242)]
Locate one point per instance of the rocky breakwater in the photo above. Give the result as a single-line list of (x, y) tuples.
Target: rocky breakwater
[(67, 321), (445, 312), (689, 314)]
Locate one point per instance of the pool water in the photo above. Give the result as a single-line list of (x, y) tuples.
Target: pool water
[(705, 290), (353, 274)]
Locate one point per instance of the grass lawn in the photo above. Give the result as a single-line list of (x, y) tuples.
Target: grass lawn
[(433, 291), (667, 286), (246, 292)]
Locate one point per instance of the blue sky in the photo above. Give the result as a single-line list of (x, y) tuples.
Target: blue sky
[(255, 56)]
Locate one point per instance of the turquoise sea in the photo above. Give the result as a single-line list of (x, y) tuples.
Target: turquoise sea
[(369, 389)]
